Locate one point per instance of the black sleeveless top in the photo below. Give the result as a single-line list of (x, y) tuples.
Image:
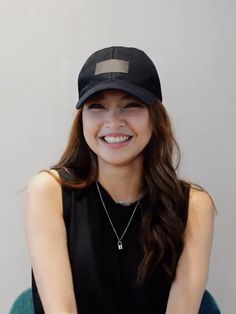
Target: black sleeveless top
[(104, 277)]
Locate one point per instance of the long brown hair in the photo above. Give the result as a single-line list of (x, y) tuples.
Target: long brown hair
[(162, 228)]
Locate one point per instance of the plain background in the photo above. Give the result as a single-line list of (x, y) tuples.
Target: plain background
[(43, 45)]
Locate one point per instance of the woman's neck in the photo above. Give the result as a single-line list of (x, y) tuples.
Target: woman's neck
[(124, 183)]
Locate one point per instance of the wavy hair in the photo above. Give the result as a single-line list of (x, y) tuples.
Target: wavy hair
[(162, 228)]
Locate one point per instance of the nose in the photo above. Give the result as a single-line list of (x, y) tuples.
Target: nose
[(114, 118)]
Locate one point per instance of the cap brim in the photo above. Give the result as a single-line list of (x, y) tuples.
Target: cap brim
[(139, 92)]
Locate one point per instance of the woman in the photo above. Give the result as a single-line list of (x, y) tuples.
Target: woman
[(111, 228)]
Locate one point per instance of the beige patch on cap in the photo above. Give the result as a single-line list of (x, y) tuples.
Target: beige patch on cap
[(112, 65)]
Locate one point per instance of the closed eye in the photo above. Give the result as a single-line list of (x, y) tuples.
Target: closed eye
[(95, 106), (129, 105), (134, 104)]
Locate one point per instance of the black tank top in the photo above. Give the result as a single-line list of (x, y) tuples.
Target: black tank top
[(104, 277)]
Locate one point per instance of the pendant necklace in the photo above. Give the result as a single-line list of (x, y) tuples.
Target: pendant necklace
[(119, 243)]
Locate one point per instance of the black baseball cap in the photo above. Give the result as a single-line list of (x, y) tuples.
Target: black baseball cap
[(125, 68)]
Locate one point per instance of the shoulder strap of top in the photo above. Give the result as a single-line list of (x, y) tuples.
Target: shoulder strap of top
[(67, 196), (186, 204), (70, 196)]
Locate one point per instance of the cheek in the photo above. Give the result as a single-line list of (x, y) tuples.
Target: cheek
[(88, 120), (90, 126), (143, 124), (147, 130)]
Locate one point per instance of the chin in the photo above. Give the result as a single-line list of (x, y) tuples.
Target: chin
[(119, 161)]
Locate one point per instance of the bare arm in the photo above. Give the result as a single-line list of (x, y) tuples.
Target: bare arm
[(47, 245), (192, 269)]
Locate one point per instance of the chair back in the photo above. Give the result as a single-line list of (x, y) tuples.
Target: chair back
[(208, 304), (24, 304)]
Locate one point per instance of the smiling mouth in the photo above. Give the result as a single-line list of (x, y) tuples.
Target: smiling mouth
[(116, 139)]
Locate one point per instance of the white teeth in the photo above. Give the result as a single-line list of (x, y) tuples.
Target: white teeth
[(117, 139)]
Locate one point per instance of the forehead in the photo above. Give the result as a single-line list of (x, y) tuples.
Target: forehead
[(103, 94)]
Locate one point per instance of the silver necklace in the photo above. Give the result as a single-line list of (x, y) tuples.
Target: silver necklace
[(119, 243), (127, 203)]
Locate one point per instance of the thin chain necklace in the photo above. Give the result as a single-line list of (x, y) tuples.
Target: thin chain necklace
[(126, 203), (119, 243)]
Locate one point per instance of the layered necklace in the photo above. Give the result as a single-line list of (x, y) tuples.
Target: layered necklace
[(119, 242)]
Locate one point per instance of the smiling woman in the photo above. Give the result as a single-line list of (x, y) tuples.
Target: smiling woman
[(111, 228)]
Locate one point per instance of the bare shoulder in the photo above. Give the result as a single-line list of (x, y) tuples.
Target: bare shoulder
[(46, 178), (201, 208), (43, 189), (200, 200)]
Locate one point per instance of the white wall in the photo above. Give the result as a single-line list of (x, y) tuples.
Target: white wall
[(43, 45)]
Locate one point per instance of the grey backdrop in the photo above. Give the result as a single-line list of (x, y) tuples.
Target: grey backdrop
[(43, 45)]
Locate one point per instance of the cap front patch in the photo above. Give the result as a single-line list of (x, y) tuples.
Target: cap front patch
[(112, 65)]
